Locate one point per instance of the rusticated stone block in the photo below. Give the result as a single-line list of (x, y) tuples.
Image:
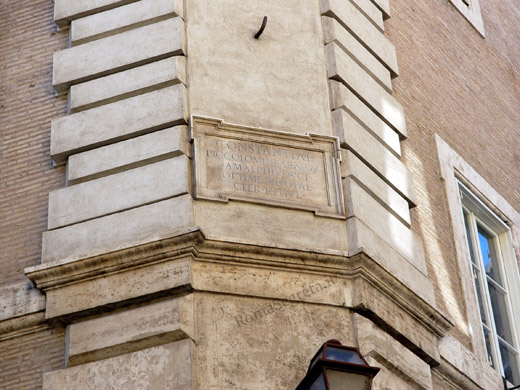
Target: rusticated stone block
[(374, 154), (123, 155), (118, 121), (166, 367), (121, 191), (129, 331), (128, 83), (123, 18), (117, 231), (118, 52), (342, 67)]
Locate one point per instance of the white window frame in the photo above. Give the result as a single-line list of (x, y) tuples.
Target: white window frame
[(478, 214), (470, 9), (455, 170)]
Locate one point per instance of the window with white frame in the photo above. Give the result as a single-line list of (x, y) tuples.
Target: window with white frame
[(495, 279)]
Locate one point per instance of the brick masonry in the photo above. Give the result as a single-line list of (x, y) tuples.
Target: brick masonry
[(466, 89), (24, 360), (27, 105)]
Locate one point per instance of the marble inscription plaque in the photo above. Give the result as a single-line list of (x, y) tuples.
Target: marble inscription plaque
[(264, 166)]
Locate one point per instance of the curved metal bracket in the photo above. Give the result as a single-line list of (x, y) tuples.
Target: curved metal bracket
[(262, 28)]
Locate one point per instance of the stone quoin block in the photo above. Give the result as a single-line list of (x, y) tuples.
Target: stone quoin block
[(342, 97), (371, 11), (128, 83), (165, 367), (352, 166), (118, 52), (118, 121), (368, 34), (129, 331), (374, 154), (393, 231), (131, 153), (67, 10), (363, 239), (342, 67), (335, 32), (118, 231), (121, 191), (123, 18)]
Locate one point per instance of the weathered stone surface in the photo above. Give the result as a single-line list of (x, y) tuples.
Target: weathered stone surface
[(121, 191), (376, 156), (127, 331), (123, 18), (275, 82), (344, 98), (117, 231), (128, 83), (461, 358), (335, 32), (387, 379), (118, 121), (127, 154), (166, 367), (118, 52), (264, 353), (380, 305), (373, 13), (270, 226), (20, 299), (368, 34), (351, 127), (361, 238), (375, 343), (113, 288), (67, 10), (384, 6), (390, 199), (393, 231), (264, 283), (343, 68), (270, 167)]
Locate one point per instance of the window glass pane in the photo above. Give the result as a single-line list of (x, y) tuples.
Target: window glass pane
[(477, 280), (489, 255), (487, 338), (498, 305), (510, 364), (343, 355), (469, 237), (319, 383)]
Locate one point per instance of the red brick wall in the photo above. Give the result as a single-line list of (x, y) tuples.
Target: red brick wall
[(28, 38), (466, 89), (24, 360)]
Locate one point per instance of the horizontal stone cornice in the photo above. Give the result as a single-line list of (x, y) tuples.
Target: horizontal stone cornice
[(194, 246), (57, 274)]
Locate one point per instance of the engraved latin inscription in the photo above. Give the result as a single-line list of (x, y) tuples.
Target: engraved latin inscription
[(264, 166), (251, 168)]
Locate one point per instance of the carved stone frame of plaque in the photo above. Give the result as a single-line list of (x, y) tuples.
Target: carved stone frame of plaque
[(265, 166)]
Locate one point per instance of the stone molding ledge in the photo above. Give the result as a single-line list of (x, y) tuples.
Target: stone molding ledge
[(22, 309), (23, 325), (201, 264)]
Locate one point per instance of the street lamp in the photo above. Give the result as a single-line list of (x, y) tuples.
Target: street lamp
[(337, 367)]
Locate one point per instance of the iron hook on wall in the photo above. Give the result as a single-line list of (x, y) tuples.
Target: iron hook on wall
[(262, 28)]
